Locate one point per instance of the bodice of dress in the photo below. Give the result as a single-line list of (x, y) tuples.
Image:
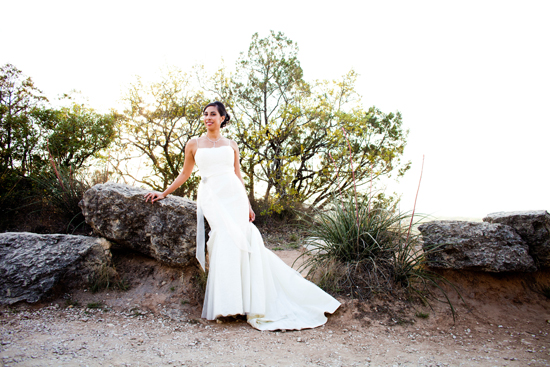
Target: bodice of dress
[(215, 161)]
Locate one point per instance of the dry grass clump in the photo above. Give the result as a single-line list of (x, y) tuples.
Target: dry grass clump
[(106, 277)]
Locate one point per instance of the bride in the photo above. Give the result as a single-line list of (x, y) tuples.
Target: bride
[(244, 277)]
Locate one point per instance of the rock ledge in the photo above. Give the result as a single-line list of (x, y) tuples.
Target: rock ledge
[(32, 264), (165, 230)]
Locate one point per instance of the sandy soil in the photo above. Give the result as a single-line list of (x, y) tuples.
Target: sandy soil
[(157, 323)]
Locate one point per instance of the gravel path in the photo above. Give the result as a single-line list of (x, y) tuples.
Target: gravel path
[(57, 336)]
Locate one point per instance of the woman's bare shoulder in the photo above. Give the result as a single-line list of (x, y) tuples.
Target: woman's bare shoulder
[(192, 145), (233, 145)]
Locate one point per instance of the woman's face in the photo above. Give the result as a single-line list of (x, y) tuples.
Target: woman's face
[(212, 118)]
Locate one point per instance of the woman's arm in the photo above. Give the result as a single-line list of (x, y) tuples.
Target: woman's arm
[(251, 214), (188, 164)]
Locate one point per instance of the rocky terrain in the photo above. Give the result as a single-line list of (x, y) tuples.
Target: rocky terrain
[(156, 322), (132, 296)]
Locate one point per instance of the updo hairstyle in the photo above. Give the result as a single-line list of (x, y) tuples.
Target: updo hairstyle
[(221, 110)]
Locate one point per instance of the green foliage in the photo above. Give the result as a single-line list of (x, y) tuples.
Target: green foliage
[(19, 132), (422, 315), (159, 119), (27, 124), (361, 237), (62, 188), (78, 133), (287, 127), (28, 128), (364, 249)]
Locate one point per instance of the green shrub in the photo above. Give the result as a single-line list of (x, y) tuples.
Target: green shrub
[(63, 188), (364, 249)]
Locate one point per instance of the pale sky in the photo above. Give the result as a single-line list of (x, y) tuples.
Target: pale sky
[(471, 78)]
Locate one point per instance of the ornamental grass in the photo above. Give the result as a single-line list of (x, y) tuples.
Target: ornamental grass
[(363, 249)]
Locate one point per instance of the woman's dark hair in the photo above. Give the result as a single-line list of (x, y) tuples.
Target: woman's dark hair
[(221, 110)]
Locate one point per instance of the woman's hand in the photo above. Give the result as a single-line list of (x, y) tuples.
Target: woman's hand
[(251, 215), (154, 196)]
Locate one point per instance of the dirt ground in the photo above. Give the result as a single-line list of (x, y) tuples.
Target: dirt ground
[(156, 322)]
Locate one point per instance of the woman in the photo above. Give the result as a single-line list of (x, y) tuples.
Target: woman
[(244, 277)]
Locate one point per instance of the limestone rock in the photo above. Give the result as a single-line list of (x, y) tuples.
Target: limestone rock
[(534, 229), (475, 246), (165, 230), (32, 264)]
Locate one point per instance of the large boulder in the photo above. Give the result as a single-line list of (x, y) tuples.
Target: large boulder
[(32, 264), (475, 246), (165, 230), (534, 229)]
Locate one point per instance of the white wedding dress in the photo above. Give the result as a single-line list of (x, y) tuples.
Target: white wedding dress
[(244, 277)]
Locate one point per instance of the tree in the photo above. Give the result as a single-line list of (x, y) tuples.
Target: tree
[(29, 130), (77, 133), (20, 102), (289, 128), (268, 92), (29, 127), (157, 123), (349, 146)]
